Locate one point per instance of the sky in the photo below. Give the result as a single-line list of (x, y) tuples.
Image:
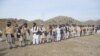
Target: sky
[(45, 9)]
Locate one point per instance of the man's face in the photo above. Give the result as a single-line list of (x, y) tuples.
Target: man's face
[(8, 24), (25, 26), (34, 24)]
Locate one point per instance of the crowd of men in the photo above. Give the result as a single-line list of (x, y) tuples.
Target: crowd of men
[(40, 34)]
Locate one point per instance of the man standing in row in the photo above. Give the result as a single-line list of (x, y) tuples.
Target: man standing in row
[(35, 33), (1, 35), (10, 29)]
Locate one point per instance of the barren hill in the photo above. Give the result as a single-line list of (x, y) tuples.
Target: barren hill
[(54, 20), (62, 20)]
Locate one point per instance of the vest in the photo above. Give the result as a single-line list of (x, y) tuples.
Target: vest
[(36, 30), (10, 30)]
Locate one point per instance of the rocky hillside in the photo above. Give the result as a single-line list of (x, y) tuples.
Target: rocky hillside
[(62, 20), (55, 20)]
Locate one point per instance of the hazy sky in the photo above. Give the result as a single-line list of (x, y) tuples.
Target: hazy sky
[(45, 9)]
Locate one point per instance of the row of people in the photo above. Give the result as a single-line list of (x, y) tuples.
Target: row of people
[(41, 34)]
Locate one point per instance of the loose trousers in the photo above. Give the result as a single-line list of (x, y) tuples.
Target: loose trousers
[(58, 37), (35, 39), (10, 41)]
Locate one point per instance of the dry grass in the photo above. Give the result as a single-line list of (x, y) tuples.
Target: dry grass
[(81, 46)]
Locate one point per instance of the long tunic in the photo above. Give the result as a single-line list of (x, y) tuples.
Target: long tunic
[(58, 30), (10, 34)]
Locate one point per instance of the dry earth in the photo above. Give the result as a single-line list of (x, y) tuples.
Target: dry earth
[(80, 46)]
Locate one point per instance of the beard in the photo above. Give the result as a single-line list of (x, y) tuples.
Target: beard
[(8, 25)]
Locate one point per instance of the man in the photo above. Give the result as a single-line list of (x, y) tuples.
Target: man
[(42, 34), (92, 29), (0, 35), (78, 31), (83, 30), (16, 30), (62, 31), (49, 33), (97, 30), (35, 33), (72, 30), (20, 36), (67, 31), (54, 33), (58, 30), (87, 29), (10, 35), (26, 34)]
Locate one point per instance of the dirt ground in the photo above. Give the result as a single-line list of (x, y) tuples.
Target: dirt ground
[(80, 46)]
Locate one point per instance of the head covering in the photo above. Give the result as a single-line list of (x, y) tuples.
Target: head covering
[(34, 24), (25, 24), (8, 23)]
